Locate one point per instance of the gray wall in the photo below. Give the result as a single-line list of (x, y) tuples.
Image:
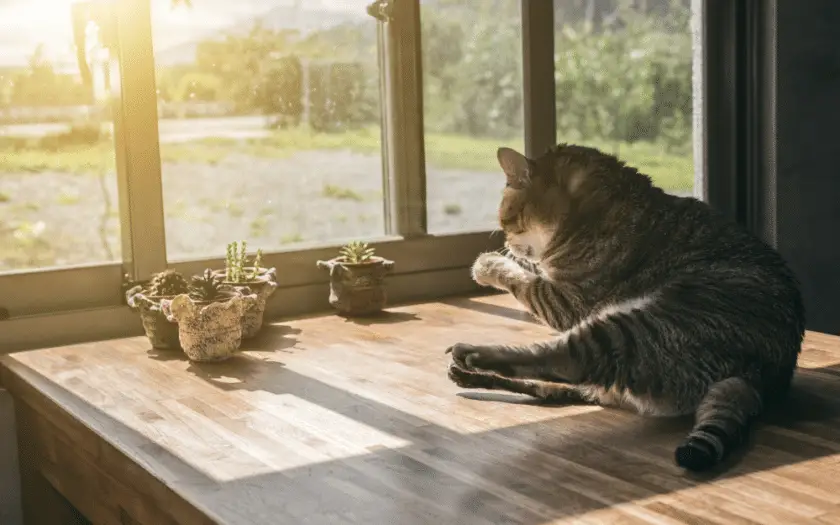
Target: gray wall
[(9, 486), (808, 143)]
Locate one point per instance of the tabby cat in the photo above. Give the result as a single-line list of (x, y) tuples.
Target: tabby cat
[(663, 305)]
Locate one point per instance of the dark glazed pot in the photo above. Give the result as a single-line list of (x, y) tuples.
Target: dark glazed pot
[(162, 333), (358, 289)]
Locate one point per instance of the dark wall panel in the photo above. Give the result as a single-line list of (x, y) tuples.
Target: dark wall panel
[(807, 153)]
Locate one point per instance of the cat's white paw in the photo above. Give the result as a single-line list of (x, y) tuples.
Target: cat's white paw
[(493, 269)]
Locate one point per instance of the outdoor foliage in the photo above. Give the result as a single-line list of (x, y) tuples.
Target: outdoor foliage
[(630, 84), (623, 82), (629, 81)]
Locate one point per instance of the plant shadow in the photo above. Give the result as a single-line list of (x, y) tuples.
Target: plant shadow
[(383, 317), (161, 354), (240, 369), (274, 337)]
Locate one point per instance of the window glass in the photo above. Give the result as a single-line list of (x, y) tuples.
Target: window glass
[(269, 117), (58, 191), (472, 82), (623, 72)]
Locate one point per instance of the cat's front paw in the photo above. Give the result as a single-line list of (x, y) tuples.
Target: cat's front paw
[(480, 358), (494, 269), (468, 379)]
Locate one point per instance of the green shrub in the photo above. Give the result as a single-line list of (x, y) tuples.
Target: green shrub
[(627, 82), (630, 85), (281, 93), (79, 134), (336, 92)]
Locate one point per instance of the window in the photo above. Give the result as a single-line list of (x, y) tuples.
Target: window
[(623, 82), (472, 97), (298, 125), (269, 124), (58, 184)]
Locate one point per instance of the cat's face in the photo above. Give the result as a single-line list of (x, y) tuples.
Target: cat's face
[(526, 235), (532, 206)]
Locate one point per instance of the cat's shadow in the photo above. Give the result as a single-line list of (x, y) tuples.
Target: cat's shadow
[(513, 399), (811, 409)]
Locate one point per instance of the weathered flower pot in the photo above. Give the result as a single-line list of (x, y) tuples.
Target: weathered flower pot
[(358, 289), (263, 287), (211, 331), (162, 333)]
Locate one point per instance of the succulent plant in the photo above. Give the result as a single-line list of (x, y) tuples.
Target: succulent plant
[(206, 287), (236, 262), (257, 263), (356, 252), (168, 283)]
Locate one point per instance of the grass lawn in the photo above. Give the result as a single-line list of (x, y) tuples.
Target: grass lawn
[(670, 171)]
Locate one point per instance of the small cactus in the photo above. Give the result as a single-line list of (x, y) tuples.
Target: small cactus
[(167, 283), (206, 287), (236, 261), (356, 252)]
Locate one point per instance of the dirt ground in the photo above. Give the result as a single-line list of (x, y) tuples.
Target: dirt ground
[(53, 218)]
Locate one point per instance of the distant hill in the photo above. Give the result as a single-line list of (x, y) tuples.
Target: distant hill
[(176, 37), (304, 19)]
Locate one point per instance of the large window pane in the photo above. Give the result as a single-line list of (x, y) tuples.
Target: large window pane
[(472, 84), (269, 123), (623, 77), (58, 203)]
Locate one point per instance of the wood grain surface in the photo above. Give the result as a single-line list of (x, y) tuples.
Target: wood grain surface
[(328, 420)]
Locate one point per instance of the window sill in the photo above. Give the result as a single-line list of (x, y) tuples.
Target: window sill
[(45, 293), (95, 324)]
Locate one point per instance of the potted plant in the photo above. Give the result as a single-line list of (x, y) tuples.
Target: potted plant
[(357, 279), (209, 317), (146, 299), (261, 281)]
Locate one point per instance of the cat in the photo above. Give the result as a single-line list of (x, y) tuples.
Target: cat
[(663, 305)]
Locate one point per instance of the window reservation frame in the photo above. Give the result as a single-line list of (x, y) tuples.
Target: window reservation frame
[(83, 303)]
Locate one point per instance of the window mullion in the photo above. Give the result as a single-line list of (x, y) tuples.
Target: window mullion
[(539, 99), (136, 138), (718, 103), (403, 104)]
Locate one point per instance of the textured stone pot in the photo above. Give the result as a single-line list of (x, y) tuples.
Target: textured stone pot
[(208, 331), (263, 287), (162, 333), (358, 289)]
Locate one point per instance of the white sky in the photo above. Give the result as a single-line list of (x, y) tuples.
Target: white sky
[(25, 23)]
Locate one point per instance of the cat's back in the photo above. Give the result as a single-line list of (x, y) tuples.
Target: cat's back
[(702, 253), (690, 235)]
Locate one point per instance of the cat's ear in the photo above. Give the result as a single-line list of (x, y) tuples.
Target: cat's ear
[(516, 167)]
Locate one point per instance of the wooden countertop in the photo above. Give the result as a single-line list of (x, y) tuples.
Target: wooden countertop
[(325, 420)]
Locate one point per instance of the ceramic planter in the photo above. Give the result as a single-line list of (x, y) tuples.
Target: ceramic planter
[(162, 333), (358, 289), (208, 331), (263, 287)]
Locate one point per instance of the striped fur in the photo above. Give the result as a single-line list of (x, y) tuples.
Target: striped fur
[(663, 306)]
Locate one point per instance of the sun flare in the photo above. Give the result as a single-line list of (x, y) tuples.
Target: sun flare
[(27, 24)]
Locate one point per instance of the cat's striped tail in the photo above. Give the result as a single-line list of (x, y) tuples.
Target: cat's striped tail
[(723, 420)]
